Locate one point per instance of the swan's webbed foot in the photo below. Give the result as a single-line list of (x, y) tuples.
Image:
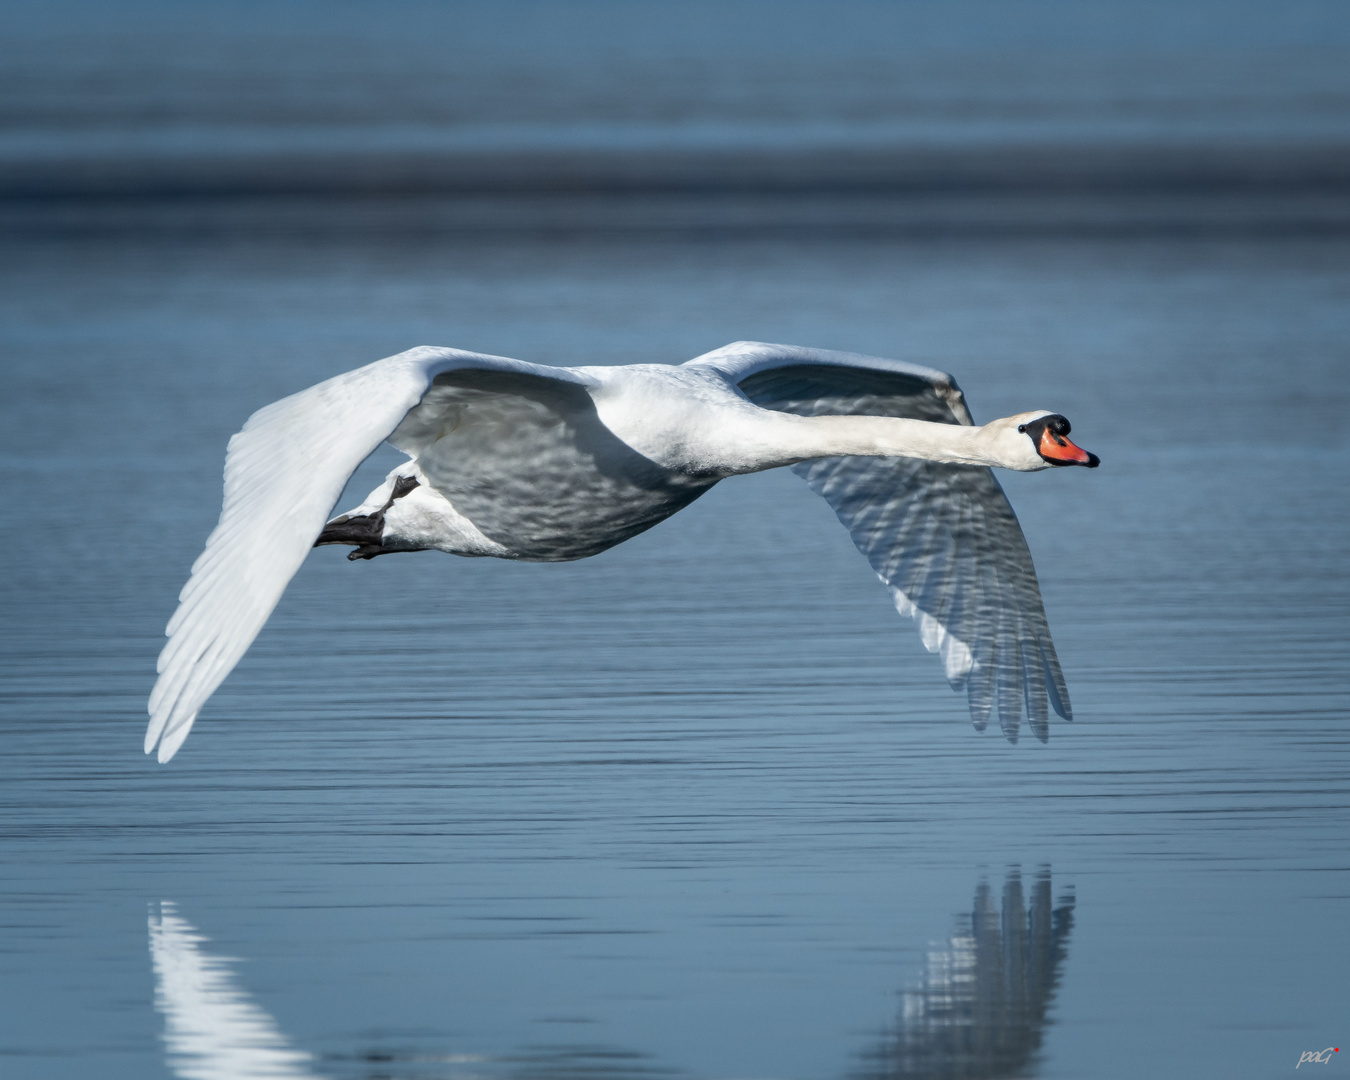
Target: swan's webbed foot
[(365, 531)]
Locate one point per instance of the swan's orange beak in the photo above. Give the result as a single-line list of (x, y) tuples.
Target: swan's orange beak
[(1059, 450)]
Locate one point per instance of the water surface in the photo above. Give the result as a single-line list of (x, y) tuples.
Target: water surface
[(701, 806)]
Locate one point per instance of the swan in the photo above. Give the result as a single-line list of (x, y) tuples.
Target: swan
[(522, 461)]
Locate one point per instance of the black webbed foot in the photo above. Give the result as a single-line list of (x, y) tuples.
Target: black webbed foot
[(365, 531)]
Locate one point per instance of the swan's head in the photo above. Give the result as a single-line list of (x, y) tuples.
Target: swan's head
[(1037, 440)]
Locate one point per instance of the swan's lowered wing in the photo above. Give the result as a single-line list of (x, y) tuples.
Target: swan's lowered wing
[(283, 473), (941, 537)]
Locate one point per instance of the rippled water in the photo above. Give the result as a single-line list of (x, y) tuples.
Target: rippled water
[(702, 805)]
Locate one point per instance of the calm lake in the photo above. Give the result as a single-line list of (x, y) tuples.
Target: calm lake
[(701, 806)]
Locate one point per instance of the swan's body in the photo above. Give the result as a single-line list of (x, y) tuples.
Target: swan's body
[(520, 461)]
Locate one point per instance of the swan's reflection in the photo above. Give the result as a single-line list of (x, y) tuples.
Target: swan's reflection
[(212, 1030), (980, 1012)]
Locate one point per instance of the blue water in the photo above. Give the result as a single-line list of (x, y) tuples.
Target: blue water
[(704, 799)]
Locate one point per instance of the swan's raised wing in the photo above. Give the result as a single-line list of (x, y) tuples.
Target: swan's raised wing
[(941, 537), (283, 473)]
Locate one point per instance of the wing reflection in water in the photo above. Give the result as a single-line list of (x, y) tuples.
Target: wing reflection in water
[(978, 1015), (981, 1010), (212, 1030)]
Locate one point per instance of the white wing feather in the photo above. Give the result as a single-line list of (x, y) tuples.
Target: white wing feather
[(283, 473)]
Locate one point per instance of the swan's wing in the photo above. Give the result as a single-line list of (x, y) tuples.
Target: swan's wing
[(945, 541), (943, 538), (283, 473), (920, 393)]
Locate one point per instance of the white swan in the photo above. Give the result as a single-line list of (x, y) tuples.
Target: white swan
[(522, 461)]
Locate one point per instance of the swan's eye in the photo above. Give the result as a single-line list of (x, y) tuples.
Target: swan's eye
[(1022, 427)]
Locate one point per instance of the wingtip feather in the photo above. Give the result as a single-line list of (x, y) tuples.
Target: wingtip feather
[(173, 740)]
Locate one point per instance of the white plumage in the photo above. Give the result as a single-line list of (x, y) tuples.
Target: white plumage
[(521, 461)]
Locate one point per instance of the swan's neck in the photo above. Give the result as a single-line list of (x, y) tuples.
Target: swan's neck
[(788, 439)]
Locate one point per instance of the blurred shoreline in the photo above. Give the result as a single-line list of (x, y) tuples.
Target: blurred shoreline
[(709, 214), (608, 116)]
